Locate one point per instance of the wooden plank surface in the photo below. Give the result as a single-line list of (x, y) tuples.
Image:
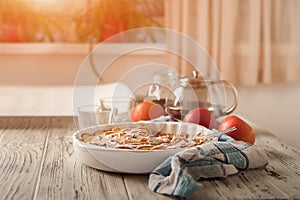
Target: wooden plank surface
[(283, 171), (21, 146), (62, 177), (37, 162)]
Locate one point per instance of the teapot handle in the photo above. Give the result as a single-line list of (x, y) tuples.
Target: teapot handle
[(235, 97)]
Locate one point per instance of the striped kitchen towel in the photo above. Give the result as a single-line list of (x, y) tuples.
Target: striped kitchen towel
[(178, 175)]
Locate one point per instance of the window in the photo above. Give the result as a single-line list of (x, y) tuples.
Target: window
[(78, 20)]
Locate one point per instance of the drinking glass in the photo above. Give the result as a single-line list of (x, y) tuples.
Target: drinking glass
[(93, 115), (122, 104)]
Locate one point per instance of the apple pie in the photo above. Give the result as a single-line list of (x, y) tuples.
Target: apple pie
[(141, 139)]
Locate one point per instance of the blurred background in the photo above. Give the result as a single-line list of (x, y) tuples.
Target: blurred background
[(255, 45)]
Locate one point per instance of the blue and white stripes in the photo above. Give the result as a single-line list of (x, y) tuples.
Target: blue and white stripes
[(178, 175)]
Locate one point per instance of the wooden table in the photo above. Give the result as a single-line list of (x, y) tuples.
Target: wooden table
[(37, 162)]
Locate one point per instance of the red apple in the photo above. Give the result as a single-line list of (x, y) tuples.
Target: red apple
[(243, 132), (146, 111), (201, 116)]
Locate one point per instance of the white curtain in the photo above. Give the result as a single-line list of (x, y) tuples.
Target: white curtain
[(251, 41)]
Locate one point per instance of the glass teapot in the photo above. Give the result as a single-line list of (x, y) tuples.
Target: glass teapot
[(194, 92)]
